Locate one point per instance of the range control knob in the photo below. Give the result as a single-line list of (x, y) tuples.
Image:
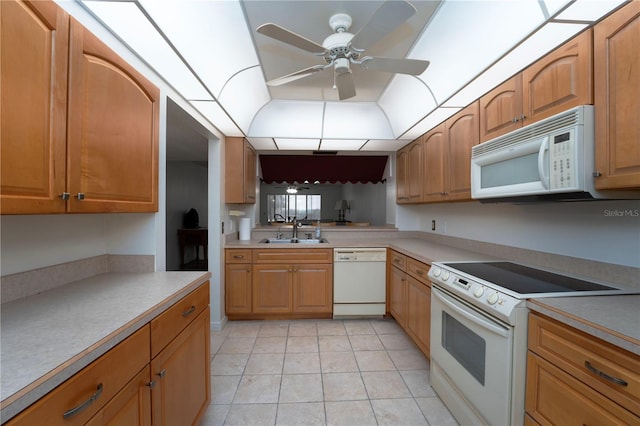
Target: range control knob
[(478, 291), (436, 271), (445, 275), (493, 298)]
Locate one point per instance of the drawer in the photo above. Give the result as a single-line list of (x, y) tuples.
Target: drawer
[(237, 255), (555, 397), (92, 387), (171, 322), (608, 369), (398, 260), (289, 256), (418, 270)]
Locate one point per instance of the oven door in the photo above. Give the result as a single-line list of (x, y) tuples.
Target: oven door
[(471, 355)]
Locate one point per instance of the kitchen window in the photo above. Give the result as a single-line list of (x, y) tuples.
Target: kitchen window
[(284, 207)]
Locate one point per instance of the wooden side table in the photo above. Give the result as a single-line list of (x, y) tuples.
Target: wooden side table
[(193, 237)]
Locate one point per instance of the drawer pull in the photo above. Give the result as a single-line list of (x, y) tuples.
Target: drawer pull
[(420, 272), (604, 375), (189, 311), (88, 402), (238, 256)]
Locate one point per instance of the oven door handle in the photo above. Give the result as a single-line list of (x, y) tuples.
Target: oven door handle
[(476, 319)]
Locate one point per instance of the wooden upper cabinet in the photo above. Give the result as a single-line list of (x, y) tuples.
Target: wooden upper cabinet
[(463, 132), (34, 41), (401, 176), (415, 167), (112, 142), (556, 82), (79, 125), (434, 143), (561, 80), (617, 86), (240, 171), (501, 109)]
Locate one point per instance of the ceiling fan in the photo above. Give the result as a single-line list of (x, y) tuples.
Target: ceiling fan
[(342, 48)]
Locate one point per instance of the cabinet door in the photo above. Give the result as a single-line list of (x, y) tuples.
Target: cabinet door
[(313, 288), (560, 80), (617, 85), (238, 288), (415, 166), (398, 296), (555, 397), (249, 174), (272, 288), (402, 189), (112, 141), (419, 313), (132, 406), (433, 146), (182, 384), (501, 109), (463, 132), (34, 41)]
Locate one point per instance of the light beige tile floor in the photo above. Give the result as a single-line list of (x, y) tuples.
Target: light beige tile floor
[(320, 372)]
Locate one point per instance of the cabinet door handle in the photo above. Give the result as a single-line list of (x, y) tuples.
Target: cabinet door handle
[(84, 405), (189, 311), (65, 196), (604, 375), (80, 196), (162, 373)]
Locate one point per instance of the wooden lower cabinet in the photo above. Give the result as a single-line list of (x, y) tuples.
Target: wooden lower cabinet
[(398, 296), (409, 294), (181, 376), (419, 313), (279, 283), (132, 406), (125, 386), (576, 379)]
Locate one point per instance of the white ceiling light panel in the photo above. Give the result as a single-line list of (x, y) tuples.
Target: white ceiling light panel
[(262, 144), (589, 10), (297, 144), (405, 101), (211, 35), (288, 119), (355, 120), (127, 21), (465, 37), (341, 144), (244, 95), (384, 145)]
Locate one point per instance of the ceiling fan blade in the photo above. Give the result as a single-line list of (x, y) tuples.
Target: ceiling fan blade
[(346, 87), (400, 66), (386, 19), (296, 75), (284, 35)]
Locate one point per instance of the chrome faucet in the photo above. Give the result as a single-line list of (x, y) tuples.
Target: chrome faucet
[(295, 228)]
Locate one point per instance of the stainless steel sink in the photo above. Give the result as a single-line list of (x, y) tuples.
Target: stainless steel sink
[(294, 241)]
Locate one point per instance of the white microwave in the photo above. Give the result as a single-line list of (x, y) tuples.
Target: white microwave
[(552, 158)]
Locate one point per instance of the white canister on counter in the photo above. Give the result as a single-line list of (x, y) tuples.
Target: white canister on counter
[(245, 229)]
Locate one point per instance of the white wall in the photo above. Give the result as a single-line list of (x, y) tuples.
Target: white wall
[(36, 241), (606, 231)]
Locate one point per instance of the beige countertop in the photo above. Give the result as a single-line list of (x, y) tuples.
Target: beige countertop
[(614, 319), (48, 337)]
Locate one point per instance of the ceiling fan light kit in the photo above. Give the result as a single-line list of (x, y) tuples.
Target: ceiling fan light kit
[(342, 48)]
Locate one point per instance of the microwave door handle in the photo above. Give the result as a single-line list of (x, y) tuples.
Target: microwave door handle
[(543, 149)]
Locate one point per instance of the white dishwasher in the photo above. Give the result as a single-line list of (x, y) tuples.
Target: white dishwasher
[(359, 282)]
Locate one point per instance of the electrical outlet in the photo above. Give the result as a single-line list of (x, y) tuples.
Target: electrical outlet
[(433, 225)]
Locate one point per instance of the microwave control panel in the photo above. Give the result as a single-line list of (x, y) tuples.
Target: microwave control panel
[(562, 150)]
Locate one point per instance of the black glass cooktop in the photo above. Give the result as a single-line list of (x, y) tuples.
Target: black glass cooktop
[(525, 280)]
